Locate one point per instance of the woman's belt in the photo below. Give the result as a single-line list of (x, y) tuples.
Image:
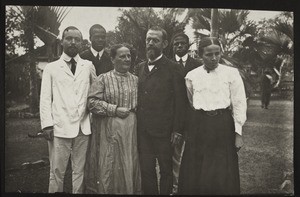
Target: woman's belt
[(215, 112)]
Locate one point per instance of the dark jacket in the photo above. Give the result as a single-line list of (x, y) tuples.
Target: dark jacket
[(161, 98), (102, 66), (190, 64)]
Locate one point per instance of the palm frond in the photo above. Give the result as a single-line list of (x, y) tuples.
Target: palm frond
[(285, 28)]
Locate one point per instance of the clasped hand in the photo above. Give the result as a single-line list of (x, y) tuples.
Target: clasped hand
[(122, 112)]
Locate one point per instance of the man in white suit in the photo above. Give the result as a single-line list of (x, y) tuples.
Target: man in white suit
[(64, 117)]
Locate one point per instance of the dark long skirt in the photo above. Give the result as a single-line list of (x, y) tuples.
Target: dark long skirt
[(210, 161)]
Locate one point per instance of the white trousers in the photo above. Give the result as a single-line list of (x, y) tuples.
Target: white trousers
[(60, 150)]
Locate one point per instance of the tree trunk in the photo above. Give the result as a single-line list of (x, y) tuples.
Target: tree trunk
[(214, 26), (33, 94)]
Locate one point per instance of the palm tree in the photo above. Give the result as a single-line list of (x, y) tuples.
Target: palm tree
[(134, 23), (43, 22), (214, 26), (279, 43)]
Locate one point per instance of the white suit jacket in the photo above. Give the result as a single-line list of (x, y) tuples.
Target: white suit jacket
[(63, 101)]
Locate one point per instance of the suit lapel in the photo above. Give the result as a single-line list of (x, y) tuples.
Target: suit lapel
[(79, 67), (65, 67), (157, 66), (187, 64)]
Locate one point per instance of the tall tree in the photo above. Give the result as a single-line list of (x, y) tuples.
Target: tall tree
[(36, 21), (134, 23), (278, 38), (214, 26)]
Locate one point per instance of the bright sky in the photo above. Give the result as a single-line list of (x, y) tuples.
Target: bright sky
[(84, 17)]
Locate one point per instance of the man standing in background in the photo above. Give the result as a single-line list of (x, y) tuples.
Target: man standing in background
[(180, 44), (266, 88), (65, 120), (96, 53)]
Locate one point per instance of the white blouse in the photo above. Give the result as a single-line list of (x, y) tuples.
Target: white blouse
[(218, 89)]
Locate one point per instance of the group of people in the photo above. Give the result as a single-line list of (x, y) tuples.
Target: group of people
[(118, 127)]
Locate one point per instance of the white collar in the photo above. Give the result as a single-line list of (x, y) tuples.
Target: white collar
[(184, 58), (155, 59), (67, 58), (96, 52), (214, 70)]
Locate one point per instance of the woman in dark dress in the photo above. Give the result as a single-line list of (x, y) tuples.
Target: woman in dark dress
[(214, 132)]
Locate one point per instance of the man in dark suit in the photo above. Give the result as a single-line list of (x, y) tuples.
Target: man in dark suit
[(161, 104), (96, 53), (266, 88), (180, 44)]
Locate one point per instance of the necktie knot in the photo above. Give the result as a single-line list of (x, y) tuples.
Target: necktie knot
[(97, 56), (73, 65), (181, 62)]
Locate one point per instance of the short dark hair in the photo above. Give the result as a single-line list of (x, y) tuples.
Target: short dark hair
[(114, 48), (204, 42), (157, 28), (180, 34), (71, 28), (96, 26)]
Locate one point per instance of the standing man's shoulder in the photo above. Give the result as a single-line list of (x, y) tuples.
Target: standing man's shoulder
[(85, 62), (106, 55), (196, 61), (86, 54), (174, 66), (52, 66), (106, 60)]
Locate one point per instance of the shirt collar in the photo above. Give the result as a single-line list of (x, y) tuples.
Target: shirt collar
[(156, 59), (67, 58), (212, 71), (184, 58), (120, 74), (96, 52)]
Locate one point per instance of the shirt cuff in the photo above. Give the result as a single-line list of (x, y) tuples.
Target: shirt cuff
[(238, 128), (111, 109), (46, 124)]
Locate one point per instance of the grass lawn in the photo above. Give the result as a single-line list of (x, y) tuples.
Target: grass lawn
[(267, 154)]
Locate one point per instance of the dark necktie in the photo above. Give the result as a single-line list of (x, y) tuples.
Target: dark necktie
[(181, 62), (73, 65), (97, 56)]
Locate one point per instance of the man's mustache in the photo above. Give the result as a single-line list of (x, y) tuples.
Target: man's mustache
[(150, 48)]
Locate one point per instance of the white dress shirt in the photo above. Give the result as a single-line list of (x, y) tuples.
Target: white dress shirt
[(149, 62), (96, 52), (218, 89), (67, 59), (184, 58)]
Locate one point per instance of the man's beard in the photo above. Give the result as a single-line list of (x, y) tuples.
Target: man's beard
[(152, 53), (72, 51)]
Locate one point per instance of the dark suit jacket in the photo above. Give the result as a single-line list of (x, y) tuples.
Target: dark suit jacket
[(102, 66), (190, 64), (161, 98)]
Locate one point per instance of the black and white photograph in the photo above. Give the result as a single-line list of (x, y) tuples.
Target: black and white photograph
[(148, 100)]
